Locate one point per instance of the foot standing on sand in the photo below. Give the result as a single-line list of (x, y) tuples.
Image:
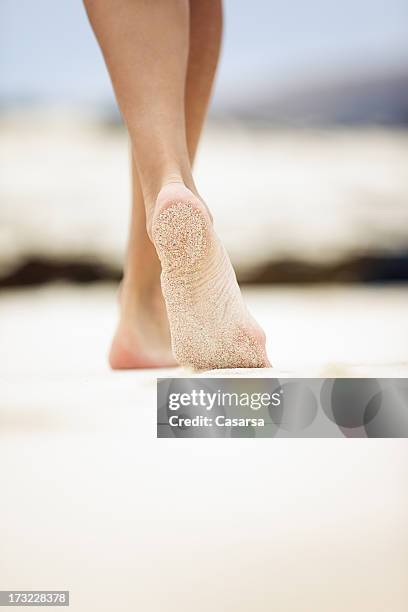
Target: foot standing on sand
[(179, 299)]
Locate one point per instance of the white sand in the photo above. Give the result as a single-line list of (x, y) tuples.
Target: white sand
[(312, 331), (315, 196), (91, 501)]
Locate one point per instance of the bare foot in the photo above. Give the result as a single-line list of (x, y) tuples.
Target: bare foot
[(210, 324), (142, 338)]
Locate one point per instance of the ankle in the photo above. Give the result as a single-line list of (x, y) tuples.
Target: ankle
[(137, 294), (180, 177)]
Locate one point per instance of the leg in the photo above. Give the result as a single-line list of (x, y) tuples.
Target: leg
[(146, 47), (205, 43), (146, 44), (141, 302), (142, 337)]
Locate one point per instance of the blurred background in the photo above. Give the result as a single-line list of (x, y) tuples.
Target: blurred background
[(310, 112), (303, 161), (303, 164)]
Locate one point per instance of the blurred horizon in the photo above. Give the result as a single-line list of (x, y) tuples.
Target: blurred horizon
[(281, 62), (328, 203)]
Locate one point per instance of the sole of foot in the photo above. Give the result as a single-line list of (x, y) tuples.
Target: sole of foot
[(210, 325)]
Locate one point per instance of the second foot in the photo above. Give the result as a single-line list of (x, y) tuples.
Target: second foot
[(211, 327), (142, 338)]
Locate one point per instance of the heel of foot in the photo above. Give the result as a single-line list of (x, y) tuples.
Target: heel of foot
[(181, 235)]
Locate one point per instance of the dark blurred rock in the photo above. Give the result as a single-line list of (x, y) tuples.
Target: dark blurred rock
[(357, 269)]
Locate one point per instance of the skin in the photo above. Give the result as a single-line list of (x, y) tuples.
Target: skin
[(197, 25), (162, 57)]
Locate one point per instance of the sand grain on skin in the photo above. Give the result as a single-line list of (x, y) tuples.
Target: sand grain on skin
[(210, 325)]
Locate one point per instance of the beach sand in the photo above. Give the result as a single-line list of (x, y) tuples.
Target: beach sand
[(332, 330), (91, 501)]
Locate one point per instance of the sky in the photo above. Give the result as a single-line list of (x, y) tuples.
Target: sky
[(48, 51)]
